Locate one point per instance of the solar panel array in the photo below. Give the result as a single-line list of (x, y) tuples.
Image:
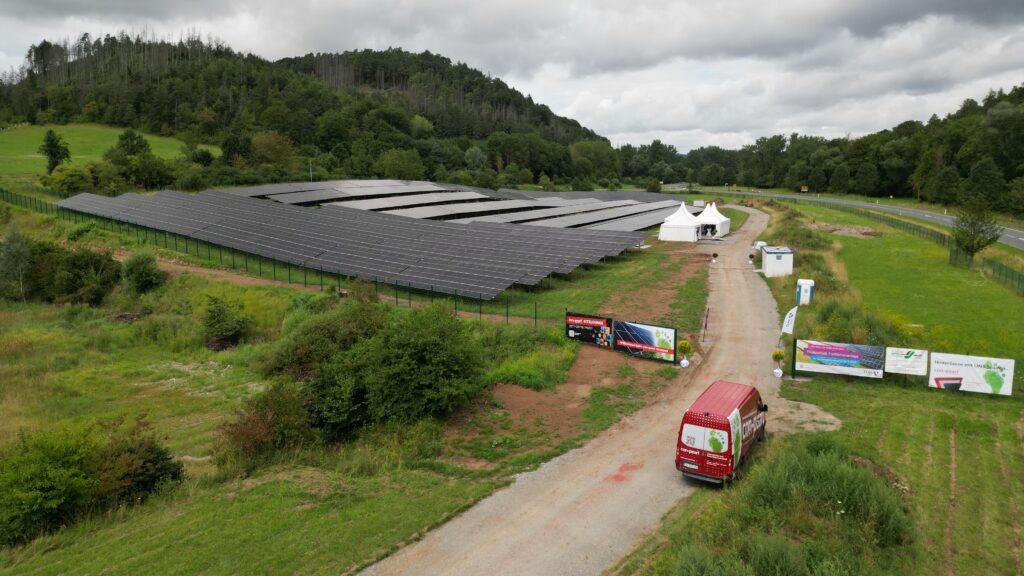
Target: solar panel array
[(411, 200), (603, 215), (526, 216), (638, 222), (478, 260)]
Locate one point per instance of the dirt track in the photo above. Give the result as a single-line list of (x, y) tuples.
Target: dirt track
[(579, 513)]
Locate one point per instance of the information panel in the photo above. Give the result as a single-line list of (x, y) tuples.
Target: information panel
[(836, 358), (971, 373), (590, 329), (906, 361), (645, 340)]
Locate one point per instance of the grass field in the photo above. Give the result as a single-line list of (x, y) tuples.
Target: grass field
[(737, 217), (19, 146), (960, 455)]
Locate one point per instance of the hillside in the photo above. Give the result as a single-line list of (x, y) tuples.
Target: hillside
[(458, 99)]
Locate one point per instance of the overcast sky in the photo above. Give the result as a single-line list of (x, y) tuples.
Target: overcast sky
[(688, 72)]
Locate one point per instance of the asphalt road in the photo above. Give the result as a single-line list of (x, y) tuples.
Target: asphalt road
[(1011, 236)]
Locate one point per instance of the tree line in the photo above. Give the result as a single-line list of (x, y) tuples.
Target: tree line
[(396, 114)]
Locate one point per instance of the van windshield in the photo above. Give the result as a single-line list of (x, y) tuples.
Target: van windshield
[(701, 438)]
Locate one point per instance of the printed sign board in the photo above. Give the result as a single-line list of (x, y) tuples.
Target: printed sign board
[(590, 329), (906, 361), (834, 358), (646, 341), (971, 373)]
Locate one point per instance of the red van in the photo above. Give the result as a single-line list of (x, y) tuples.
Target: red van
[(719, 430)]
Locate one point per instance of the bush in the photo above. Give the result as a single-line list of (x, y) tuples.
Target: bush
[(224, 323), (43, 484), (48, 479), (275, 419), (141, 273), (838, 321), (425, 363), (55, 274), (317, 339), (653, 186), (131, 465)]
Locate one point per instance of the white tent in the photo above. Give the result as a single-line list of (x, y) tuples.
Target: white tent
[(680, 226), (713, 220)]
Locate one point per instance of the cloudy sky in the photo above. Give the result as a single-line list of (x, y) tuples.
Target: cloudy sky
[(688, 72)]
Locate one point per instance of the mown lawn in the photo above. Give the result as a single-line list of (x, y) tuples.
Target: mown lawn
[(19, 146)]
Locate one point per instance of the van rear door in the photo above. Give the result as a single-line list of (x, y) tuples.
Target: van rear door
[(701, 441)]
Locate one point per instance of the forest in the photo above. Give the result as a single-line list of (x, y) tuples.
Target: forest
[(396, 114)]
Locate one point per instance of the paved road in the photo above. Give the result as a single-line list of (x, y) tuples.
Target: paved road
[(581, 512), (1010, 237)]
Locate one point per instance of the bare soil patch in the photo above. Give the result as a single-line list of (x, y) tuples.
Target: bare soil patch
[(846, 230)]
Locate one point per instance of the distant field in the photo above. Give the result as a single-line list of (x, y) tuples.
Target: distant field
[(19, 155)]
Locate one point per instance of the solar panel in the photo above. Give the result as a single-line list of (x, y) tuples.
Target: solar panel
[(526, 216), (309, 196), (638, 222), (409, 200), (603, 215), (465, 208)]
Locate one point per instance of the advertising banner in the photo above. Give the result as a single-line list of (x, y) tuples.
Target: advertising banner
[(971, 373), (834, 358), (646, 341), (590, 329), (906, 361)]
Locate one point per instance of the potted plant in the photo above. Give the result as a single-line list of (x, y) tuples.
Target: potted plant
[(778, 356), (684, 348), (714, 257)]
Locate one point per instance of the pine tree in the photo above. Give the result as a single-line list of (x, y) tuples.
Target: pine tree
[(975, 228)]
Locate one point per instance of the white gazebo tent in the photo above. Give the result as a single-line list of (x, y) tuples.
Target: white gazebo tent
[(712, 220), (680, 226)]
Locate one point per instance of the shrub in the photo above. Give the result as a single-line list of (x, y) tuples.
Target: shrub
[(141, 272), (130, 465), (43, 484), (653, 186), (80, 230), (425, 363), (318, 338), (275, 419), (48, 479), (224, 323)]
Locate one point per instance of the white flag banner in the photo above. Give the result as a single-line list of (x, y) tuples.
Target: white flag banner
[(790, 321)]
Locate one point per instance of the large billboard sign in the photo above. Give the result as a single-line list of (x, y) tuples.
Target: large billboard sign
[(590, 329), (906, 361), (971, 373), (834, 358), (645, 340)]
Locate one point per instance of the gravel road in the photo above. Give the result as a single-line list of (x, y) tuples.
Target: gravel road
[(581, 512)]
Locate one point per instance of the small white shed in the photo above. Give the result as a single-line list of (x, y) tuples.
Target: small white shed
[(680, 226), (776, 261)]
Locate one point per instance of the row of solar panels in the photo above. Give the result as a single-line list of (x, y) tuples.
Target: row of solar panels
[(478, 260), (427, 200)]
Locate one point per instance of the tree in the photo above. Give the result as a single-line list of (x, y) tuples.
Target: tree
[(653, 185), (1015, 198), (55, 150), (475, 158), (545, 183), (947, 186), (129, 143), (14, 263), (420, 127), (975, 228), (985, 180), (840, 182), (269, 147), (400, 164), (817, 180), (866, 181)]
